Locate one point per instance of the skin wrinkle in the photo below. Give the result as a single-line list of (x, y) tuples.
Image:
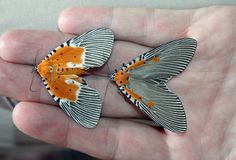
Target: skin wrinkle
[(224, 137), (218, 94), (232, 152), (105, 93), (115, 143), (13, 33), (31, 91), (111, 141), (34, 79), (219, 139), (223, 80), (171, 153), (67, 135), (148, 21), (186, 28), (191, 22), (112, 19), (11, 79), (108, 67), (226, 71), (233, 134), (113, 14), (108, 82), (208, 116), (205, 73), (40, 94)]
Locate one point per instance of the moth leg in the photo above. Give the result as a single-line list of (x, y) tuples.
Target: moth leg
[(76, 78), (81, 80), (72, 76)]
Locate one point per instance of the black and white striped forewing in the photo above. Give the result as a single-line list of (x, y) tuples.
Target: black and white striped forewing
[(98, 45), (174, 58)]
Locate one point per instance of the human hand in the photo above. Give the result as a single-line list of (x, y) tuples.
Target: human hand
[(206, 87)]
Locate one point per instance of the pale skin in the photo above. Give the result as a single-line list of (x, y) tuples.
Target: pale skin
[(207, 87)]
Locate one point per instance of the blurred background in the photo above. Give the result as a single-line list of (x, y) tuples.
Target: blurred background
[(43, 14)]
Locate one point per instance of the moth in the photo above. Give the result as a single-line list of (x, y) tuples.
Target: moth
[(143, 81), (61, 72)]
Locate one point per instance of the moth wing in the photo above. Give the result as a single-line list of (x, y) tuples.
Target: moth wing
[(80, 102), (86, 110), (165, 61), (159, 103), (91, 49), (98, 45)]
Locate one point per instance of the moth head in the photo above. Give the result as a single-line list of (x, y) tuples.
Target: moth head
[(112, 76), (120, 77), (45, 68), (35, 69)]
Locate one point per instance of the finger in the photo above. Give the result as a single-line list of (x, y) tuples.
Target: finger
[(26, 46), (16, 83), (14, 49), (110, 140), (144, 26)]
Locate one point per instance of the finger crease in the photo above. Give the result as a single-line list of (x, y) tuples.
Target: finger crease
[(112, 18), (66, 137), (148, 25), (112, 141), (105, 92)]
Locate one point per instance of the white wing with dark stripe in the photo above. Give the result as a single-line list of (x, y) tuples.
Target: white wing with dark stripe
[(167, 109), (98, 45), (148, 80), (174, 58), (87, 109)]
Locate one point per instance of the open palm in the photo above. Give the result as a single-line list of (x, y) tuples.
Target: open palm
[(207, 87)]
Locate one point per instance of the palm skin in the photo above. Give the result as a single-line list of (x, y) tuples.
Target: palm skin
[(206, 87)]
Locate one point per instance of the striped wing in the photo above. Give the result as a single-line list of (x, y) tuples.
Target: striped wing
[(160, 104), (165, 61), (91, 49), (80, 102), (147, 79), (87, 109)]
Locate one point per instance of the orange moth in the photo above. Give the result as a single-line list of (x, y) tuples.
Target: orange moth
[(143, 81), (61, 72)]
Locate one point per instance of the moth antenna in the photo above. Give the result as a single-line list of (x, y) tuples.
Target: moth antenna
[(94, 72), (34, 70), (109, 73), (35, 60), (108, 68), (31, 83)]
